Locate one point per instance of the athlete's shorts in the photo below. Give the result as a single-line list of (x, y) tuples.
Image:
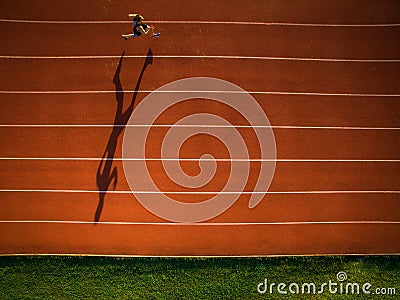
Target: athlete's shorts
[(137, 32)]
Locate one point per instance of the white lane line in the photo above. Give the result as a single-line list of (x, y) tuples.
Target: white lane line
[(207, 57), (192, 125), (197, 159), (200, 22), (203, 224), (195, 193), (202, 92)]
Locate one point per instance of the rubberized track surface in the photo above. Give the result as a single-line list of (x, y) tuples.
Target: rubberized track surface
[(326, 74)]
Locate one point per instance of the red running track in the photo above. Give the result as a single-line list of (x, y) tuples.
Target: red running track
[(325, 73)]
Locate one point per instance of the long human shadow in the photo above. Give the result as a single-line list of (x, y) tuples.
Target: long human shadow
[(107, 173)]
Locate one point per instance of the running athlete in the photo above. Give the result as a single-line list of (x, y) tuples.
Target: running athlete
[(139, 28)]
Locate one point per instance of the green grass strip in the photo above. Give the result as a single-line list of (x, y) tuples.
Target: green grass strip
[(65, 277)]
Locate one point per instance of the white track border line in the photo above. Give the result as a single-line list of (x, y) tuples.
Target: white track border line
[(191, 126), (196, 256), (207, 57), (204, 224), (197, 159), (211, 92), (200, 22), (196, 193)]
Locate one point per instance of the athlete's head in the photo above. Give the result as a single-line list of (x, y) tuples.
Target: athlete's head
[(136, 17), (139, 18)]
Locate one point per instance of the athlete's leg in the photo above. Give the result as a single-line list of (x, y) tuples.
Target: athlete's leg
[(128, 36)]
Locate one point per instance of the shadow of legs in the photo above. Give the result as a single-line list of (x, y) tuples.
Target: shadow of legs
[(107, 174)]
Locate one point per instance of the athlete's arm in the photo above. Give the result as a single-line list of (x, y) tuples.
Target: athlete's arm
[(145, 31)]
